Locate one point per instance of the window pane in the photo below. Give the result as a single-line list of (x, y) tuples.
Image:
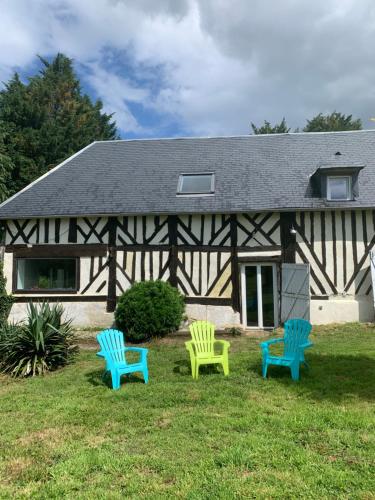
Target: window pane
[(267, 296), (338, 188), (196, 183), (251, 295), (46, 274)]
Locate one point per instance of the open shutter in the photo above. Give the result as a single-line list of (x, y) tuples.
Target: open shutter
[(295, 291), (372, 265)]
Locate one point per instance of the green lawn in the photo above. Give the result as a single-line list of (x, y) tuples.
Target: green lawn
[(238, 437)]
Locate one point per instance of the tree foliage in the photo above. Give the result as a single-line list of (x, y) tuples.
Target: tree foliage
[(48, 119), (267, 128), (333, 122), (6, 165)]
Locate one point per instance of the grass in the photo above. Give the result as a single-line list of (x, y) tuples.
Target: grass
[(68, 435)]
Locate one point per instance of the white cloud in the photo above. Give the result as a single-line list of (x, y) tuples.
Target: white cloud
[(210, 65)]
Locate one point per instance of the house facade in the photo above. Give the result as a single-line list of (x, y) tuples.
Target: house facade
[(252, 230)]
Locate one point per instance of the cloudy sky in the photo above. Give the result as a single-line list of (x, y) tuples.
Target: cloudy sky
[(203, 67)]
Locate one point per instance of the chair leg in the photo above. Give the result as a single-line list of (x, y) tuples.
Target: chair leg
[(294, 368), (226, 367), (264, 369), (196, 370), (115, 380), (192, 363), (145, 375)]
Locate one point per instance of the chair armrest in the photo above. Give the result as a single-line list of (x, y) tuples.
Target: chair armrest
[(137, 349), (142, 351), (190, 347), (306, 345), (267, 343), (271, 341), (224, 343), (101, 354)]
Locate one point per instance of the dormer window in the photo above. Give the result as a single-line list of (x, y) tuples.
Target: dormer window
[(196, 184), (337, 179), (339, 188)]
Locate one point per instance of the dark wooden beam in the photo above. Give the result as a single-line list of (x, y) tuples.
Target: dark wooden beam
[(60, 298), (288, 240), (72, 234), (212, 301), (172, 232), (57, 250), (111, 294), (235, 266), (249, 259)]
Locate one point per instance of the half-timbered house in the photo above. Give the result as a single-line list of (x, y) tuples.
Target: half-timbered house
[(251, 229)]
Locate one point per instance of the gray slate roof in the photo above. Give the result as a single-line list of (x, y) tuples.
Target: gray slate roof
[(253, 173)]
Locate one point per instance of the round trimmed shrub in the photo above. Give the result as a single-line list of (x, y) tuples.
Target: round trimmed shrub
[(149, 309)]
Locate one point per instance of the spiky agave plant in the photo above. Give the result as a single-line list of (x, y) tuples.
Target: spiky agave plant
[(44, 342)]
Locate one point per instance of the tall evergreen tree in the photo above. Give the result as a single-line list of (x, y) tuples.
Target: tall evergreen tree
[(267, 128), (6, 167), (48, 119), (333, 122)]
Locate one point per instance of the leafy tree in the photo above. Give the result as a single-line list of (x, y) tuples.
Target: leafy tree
[(267, 128), (333, 122), (48, 119), (6, 166)]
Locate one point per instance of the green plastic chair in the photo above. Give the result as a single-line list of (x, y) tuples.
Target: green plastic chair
[(202, 348), (295, 340)]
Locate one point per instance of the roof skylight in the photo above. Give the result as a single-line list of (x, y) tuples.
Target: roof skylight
[(196, 184)]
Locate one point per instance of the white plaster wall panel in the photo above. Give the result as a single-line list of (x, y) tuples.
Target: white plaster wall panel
[(8, 270), (92, 230), (37, 231), (93, 275), (140, 266), (141, 230), (203, 230), (204, 274), (337, 244), (260, 229)]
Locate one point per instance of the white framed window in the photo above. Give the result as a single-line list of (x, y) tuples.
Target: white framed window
[(339, 188), (196, 184)]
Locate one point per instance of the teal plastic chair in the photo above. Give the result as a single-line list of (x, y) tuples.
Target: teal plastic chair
[(295, 340), (113, 350)]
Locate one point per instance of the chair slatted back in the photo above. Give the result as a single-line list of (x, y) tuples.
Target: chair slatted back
[(203, 336), (296, 332), (112, 344)]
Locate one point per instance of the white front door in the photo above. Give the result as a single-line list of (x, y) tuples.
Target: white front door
[(259, 295)]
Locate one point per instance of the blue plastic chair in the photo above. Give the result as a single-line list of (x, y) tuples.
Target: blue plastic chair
[(296, 332), (113, 351)]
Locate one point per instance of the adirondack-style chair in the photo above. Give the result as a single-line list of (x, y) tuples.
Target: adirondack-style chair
[(113, 350), (295, 340), (202, 348)]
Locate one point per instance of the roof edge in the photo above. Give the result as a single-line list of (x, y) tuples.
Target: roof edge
[(333, 206), (238, 136), (46, 174)]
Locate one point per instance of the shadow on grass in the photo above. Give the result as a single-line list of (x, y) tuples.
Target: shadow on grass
[(183, 368), (330, 377), (99, 378)]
